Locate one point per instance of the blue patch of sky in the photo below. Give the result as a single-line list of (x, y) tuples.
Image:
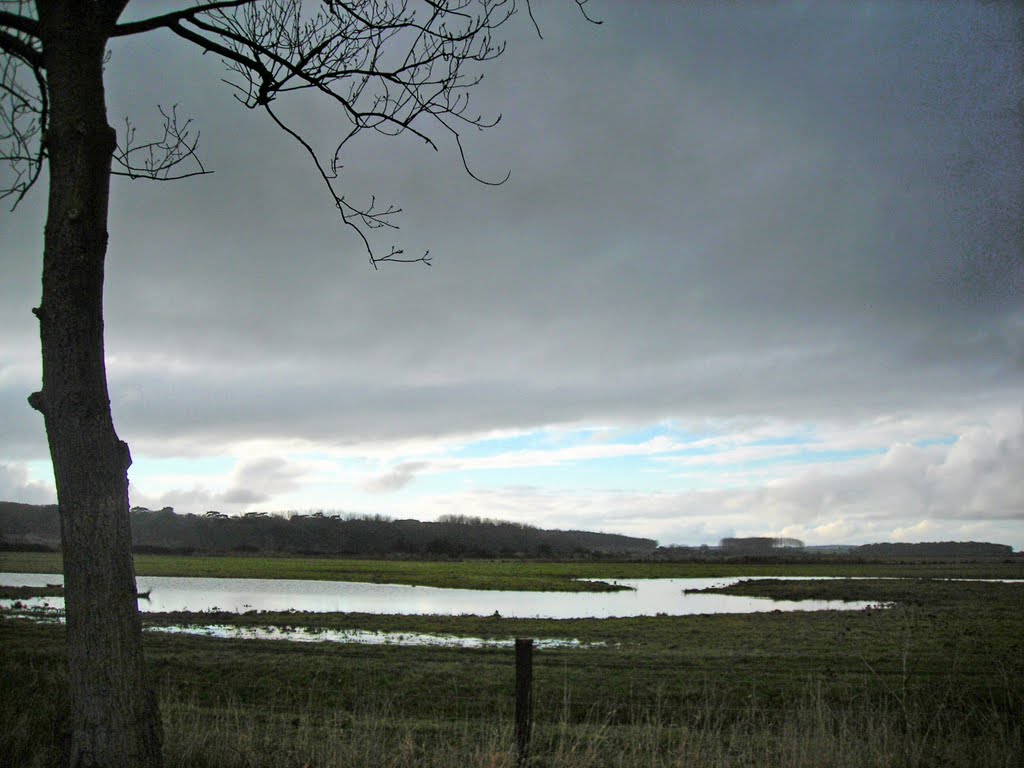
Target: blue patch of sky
[(832, 457), (646, 434), (553, 439), (496, 446), (654, 472), (620, 435), (204, 466), (40, 471), (640, 473), (928, 442), (635, 473), (626, 474), (796, 438), (797, 458)]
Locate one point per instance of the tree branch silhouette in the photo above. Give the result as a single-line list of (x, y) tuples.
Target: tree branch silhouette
[(24, 109), (389, 66), (159, 159)]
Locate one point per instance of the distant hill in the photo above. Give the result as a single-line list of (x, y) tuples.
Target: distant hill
[(28, 526), (25, 525)]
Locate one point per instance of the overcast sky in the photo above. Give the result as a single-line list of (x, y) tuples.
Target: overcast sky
[(757, 271)]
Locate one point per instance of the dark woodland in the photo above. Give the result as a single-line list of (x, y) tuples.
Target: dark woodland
[(336, 534)]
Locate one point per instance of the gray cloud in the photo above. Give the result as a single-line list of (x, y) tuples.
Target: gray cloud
[(251, 482), (396, 478), (257, 480), (15, 484), (791, 211)]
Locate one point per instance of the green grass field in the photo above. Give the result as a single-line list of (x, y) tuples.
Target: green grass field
[(937, 679), (502, 574)]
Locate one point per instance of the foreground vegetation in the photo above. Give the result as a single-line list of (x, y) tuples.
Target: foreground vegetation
[(937, 679)]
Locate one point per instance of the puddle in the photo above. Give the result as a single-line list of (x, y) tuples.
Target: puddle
[(361, 637), (41, 610)]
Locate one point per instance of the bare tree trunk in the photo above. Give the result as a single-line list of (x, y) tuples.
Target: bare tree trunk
[(114, 717)]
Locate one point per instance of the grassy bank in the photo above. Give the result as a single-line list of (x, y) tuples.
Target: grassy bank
[(505, 574), (936, 680)]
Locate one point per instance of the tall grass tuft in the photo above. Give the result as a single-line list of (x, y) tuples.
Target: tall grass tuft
[(235, 737), (814, 732), (817, 730), (34, 716)]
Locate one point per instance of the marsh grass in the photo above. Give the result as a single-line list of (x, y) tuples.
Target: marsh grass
[(507, 574), (23, 593), (33, 716), (934, 727), (813, 733), (937, 680), (235, 736)]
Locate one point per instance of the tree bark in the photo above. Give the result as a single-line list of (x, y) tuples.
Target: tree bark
[(114, 716)]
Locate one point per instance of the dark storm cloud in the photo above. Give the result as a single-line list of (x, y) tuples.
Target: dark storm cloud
[(788, 209)]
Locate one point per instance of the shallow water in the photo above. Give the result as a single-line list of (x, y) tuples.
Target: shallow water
[(645, 597), (362, 637)]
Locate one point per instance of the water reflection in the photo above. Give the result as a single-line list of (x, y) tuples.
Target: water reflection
[(645, 597), (362, 637)]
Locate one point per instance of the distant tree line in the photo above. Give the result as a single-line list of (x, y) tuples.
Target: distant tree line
[(959, 549), (326, 533), (758, 545), (766, 549), (28, 526)]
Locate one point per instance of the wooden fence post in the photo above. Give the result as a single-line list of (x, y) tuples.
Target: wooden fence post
[(524, 696)]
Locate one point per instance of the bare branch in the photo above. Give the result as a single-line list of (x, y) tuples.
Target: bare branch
[(168, 20), (533, 19), (391, 66), (397, 256), (212, 47), (582, 5), (19, 23), (24, 111), (465, 165), (111, 10), (355, 217), (17, 46), (163, 158)]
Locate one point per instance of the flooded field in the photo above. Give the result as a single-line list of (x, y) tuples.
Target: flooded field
[(641, 597)]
